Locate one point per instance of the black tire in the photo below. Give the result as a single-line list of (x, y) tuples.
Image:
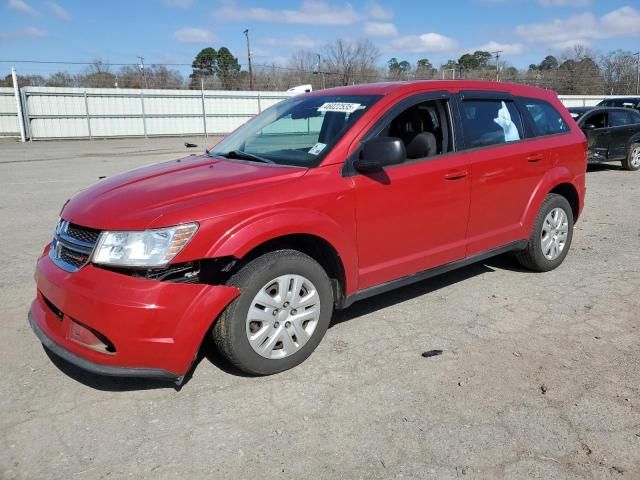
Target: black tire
[(532, 257), (229, 331), (627, 163)]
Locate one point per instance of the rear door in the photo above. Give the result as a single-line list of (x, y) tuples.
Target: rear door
[(504, 170), (621, 128)]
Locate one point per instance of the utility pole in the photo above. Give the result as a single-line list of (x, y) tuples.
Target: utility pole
[(637, 54), (319, 71), (144, 78), (246, 34), (497, 54)]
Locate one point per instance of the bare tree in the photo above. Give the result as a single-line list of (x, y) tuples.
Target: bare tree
[(352, 62), (619, 70)]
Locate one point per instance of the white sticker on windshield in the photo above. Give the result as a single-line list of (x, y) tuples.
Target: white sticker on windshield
[(317, 148), (339, 107), (504, 120)]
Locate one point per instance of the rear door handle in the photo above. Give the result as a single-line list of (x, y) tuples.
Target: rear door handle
[(456, 175), (535, 158)]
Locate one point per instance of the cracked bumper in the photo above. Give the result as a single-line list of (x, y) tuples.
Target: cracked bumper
[(156, 328)]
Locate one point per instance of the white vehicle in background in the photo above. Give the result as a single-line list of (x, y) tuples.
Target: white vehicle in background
[(300, 89)]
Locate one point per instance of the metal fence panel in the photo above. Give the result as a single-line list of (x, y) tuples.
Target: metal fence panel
[(9, 125), (111, 112), (52, 112), (580, 100)]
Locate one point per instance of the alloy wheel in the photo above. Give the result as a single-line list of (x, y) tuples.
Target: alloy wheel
[(555, 230)]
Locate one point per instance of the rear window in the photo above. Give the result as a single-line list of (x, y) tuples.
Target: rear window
[(618, 118), (490, 122), (546, 119)]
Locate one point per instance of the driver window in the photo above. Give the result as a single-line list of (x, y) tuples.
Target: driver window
[(598, 120), (423, 128)]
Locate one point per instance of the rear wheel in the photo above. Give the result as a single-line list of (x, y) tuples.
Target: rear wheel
[(279, 318), (632, 162), (551, 237)]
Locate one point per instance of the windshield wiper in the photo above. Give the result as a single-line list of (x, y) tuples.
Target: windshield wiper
[(240, 154)]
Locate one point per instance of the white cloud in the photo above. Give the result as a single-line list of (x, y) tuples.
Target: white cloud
[(310, 12), (58, 11), (22, 7), (507, 48), (293, 42), (376, 11), (583, 28), (564, 3), (427, 42), (178, 3), (28, 32), (380, 29), (194, 35)]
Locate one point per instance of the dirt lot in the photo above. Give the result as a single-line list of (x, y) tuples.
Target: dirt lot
[(540, 375)]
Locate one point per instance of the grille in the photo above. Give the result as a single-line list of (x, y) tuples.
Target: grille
[(76, 259), (72, 245), (84, 234)]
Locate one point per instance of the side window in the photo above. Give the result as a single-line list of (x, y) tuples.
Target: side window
[(490, 122), (619, 118), (635, 116), (598, 120), (546, 119), (424, 129)]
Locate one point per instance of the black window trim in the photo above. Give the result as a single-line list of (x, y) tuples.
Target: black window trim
[(348, 170)]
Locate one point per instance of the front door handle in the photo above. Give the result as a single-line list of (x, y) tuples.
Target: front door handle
[(535, 158), (456, 175)]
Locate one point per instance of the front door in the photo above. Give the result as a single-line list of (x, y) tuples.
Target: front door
[(413, 216), (595, 127)]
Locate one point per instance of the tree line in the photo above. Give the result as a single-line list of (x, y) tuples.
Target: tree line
[(576, 71)]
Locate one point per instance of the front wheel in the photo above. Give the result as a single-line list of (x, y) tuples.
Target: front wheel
[(551, 237), (632, 162), (279, 318)]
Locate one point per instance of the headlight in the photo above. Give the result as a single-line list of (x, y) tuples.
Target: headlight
[(148, 248)]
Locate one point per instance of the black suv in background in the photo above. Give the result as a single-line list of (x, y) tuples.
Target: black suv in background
[(621, 102), (613, 135)]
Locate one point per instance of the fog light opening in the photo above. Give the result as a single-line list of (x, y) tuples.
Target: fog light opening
[(90, 338)]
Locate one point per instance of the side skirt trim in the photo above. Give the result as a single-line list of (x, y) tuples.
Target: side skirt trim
[(432, 272)]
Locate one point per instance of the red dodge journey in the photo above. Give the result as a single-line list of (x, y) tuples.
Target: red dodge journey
[(322, 200)]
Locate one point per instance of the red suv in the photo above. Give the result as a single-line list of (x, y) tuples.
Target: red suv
[(322, 200)]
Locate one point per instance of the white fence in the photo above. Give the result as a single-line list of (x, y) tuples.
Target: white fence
[(55, 113), (51, 113), (9, 123), (581, 100)]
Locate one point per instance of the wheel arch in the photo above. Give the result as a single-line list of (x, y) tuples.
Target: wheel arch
[(558, 180), (569, 191), (315, 247), (309, 232)]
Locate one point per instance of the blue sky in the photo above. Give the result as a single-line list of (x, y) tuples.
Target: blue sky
[(173, 31)]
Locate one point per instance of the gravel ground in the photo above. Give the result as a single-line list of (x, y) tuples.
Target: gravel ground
[(539, 375)]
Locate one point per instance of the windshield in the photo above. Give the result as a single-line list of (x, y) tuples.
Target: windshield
[(299, 131)]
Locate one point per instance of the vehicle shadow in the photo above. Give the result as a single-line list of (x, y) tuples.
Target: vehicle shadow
[(105, 383), (603, 167), (209, 352), (400, 295)]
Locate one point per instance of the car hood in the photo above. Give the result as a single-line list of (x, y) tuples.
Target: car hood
[(169, 193)]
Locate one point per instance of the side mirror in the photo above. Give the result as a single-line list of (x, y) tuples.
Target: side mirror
[(588, 126), (380, 152)]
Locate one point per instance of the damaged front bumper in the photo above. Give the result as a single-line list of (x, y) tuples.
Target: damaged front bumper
[(113, 324)]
